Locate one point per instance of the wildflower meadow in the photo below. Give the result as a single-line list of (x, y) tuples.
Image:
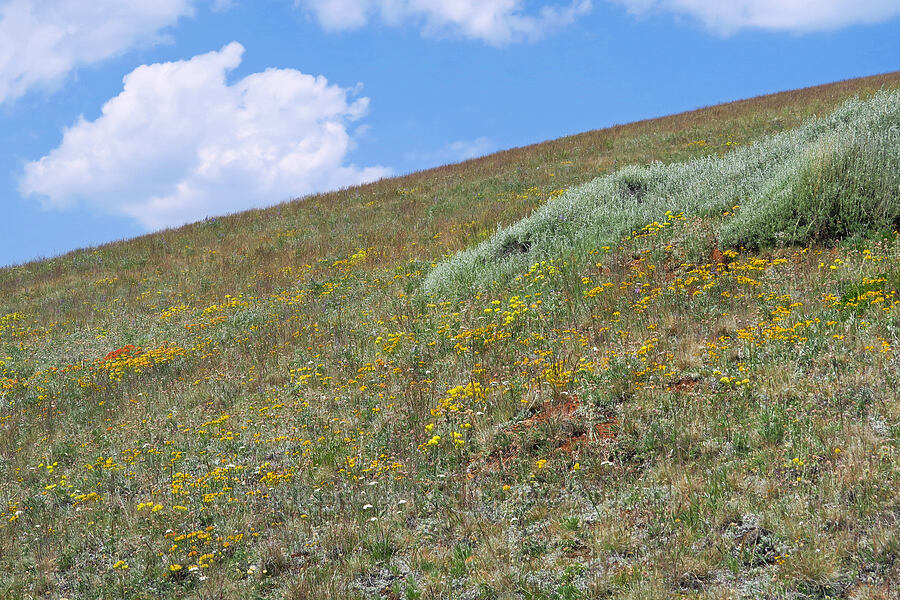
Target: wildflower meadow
[(656, 361)]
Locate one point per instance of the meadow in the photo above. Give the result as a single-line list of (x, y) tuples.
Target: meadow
[(658, 360)]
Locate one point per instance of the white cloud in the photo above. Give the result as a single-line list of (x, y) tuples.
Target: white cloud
[(466, 149), (42, 41), (497, 22), (179, 143), (800, 16), (454, 152)]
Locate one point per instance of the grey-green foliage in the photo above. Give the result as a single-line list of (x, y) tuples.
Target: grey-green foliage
[(832, 176), (842, 185)]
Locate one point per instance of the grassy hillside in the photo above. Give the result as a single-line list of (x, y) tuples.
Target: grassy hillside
[(274, 404), (828, 179)]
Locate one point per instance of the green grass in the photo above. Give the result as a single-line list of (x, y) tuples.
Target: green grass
[(830, 178), (289, 403)]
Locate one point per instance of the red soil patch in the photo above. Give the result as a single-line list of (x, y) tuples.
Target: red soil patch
[(718, 259), (551, 411), (683, 384), (608, 430), (634, 264), (562, 412), (495, 462)]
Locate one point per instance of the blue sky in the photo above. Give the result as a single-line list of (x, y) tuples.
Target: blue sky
[(128, 117)]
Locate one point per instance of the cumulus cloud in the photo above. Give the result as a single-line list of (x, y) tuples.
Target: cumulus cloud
[(497, 22), (800, 16), (179, 143), (42, 41)]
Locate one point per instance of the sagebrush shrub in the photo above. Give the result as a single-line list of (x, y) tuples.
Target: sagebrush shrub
[(831, 177)]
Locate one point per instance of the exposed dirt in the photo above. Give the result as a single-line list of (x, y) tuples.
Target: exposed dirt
[(573, 434), (684, 384), (550, 411)]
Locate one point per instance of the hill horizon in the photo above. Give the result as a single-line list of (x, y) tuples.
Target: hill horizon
[(835, 89)]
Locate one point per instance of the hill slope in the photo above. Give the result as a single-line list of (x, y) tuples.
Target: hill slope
[(269, 405)]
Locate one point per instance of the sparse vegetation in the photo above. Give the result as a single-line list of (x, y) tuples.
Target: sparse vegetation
[(678, 401)]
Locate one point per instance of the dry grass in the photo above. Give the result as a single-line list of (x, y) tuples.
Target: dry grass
[(297, 419)]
